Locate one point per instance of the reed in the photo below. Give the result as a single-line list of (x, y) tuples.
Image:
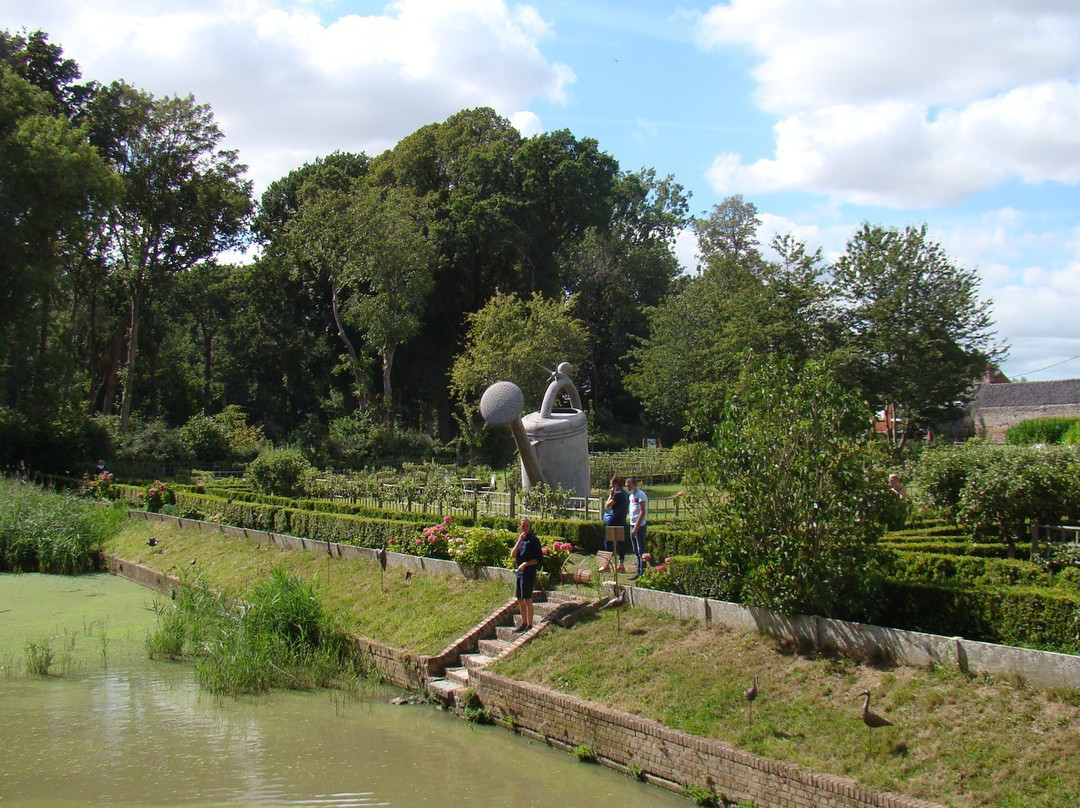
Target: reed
[(279, 635), (42, 531)]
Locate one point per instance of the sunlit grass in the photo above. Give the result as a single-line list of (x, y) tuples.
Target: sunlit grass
[(957, 740), (421, 614)]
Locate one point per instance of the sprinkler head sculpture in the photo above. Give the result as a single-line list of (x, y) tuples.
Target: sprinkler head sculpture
[(553, 442), (501, 405)]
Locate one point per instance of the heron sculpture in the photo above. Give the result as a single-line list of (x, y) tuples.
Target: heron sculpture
[(750, 694), (871, 719)]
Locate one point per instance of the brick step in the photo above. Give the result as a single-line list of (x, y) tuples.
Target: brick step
[(506, 634), (475, 660), (493, 648), (458, 675), (445, 690)]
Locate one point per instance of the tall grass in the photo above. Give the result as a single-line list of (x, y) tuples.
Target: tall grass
[(279, 636), (46, 532)]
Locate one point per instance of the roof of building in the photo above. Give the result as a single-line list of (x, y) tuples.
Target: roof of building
[(1028, 394)]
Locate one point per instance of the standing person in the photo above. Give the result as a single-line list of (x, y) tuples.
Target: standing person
[(527, 554), (639, 513), (617, 505)]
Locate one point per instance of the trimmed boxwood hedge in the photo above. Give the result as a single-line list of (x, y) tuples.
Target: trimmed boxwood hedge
[(934, 568), (959, 548), (1028, 616), (1033, 617)]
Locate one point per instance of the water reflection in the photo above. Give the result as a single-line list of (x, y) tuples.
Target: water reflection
[(146, 735)]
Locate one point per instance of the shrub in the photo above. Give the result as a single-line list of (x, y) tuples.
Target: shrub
[(481, 547), (205, 439), (100, 486), (283, 472), (793, 491), (156, 495), (433, 542), (1040, 430), (555, 557)]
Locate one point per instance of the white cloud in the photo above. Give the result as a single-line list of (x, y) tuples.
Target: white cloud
[(527, 123), (287, 86), (907, 103)]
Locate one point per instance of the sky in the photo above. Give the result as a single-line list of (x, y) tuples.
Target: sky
[(961, 115)]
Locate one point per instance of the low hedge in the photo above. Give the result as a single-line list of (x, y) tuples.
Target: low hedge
[(1048, 619), (957, 548), (953, 570), (1027, 616)]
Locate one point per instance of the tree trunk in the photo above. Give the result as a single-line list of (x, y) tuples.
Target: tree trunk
[(388, 400), (133, 350), (354, 359)]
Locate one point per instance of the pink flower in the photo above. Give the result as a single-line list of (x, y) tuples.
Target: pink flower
[(547, 550), (646, 556), (667, 560), (661, 568)]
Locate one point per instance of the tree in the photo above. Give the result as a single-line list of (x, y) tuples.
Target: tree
[(517, 340), (201, 300), (791, 490), (739, 305), (183, 199), (616, 272), (52, 183), (729, 231), (914, 334), (392, 274)]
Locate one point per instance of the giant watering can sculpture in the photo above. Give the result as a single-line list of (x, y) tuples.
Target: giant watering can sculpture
[(553, 442)]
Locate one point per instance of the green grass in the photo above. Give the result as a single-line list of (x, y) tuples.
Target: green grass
[(958, 740), (421, 614)]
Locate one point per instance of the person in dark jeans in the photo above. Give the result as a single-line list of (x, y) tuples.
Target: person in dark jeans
[(617, 505), (639, 513), (527, 554)]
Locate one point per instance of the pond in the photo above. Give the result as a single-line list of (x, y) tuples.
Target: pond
[(111, 727)]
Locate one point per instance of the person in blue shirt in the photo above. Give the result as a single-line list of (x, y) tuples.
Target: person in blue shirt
[(527, 554), (639, 513)]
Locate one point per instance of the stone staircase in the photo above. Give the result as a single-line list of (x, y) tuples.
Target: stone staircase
[(548, 607)]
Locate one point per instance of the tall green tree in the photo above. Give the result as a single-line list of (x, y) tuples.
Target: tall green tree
[(52, 183), (184, 198), (616, 272), (392, 273), (913, 332), (519, 340), (739, 305), (791, 492)]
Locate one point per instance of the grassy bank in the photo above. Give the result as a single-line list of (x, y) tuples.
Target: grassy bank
[(957, 740), (421, 614)]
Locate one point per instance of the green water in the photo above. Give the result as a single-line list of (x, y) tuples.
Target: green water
[(117, 729)]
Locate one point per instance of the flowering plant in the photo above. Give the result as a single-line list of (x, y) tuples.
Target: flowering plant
[(555, 556), (156, 495), (99, 486), (658, 578), (434, 542)]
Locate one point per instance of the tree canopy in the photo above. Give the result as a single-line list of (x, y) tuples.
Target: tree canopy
[(411, 279)]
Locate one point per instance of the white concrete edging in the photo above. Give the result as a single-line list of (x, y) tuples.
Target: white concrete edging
[(1038, 668)]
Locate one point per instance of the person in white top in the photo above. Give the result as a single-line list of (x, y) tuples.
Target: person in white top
[(639, 513)]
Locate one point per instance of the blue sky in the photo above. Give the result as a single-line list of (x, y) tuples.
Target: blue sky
[(964, 115)]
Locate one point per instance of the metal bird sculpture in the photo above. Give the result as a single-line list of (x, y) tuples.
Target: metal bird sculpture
[(871, 719), (750, 694)]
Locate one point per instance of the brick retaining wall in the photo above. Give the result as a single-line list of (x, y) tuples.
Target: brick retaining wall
[(665, 756)]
